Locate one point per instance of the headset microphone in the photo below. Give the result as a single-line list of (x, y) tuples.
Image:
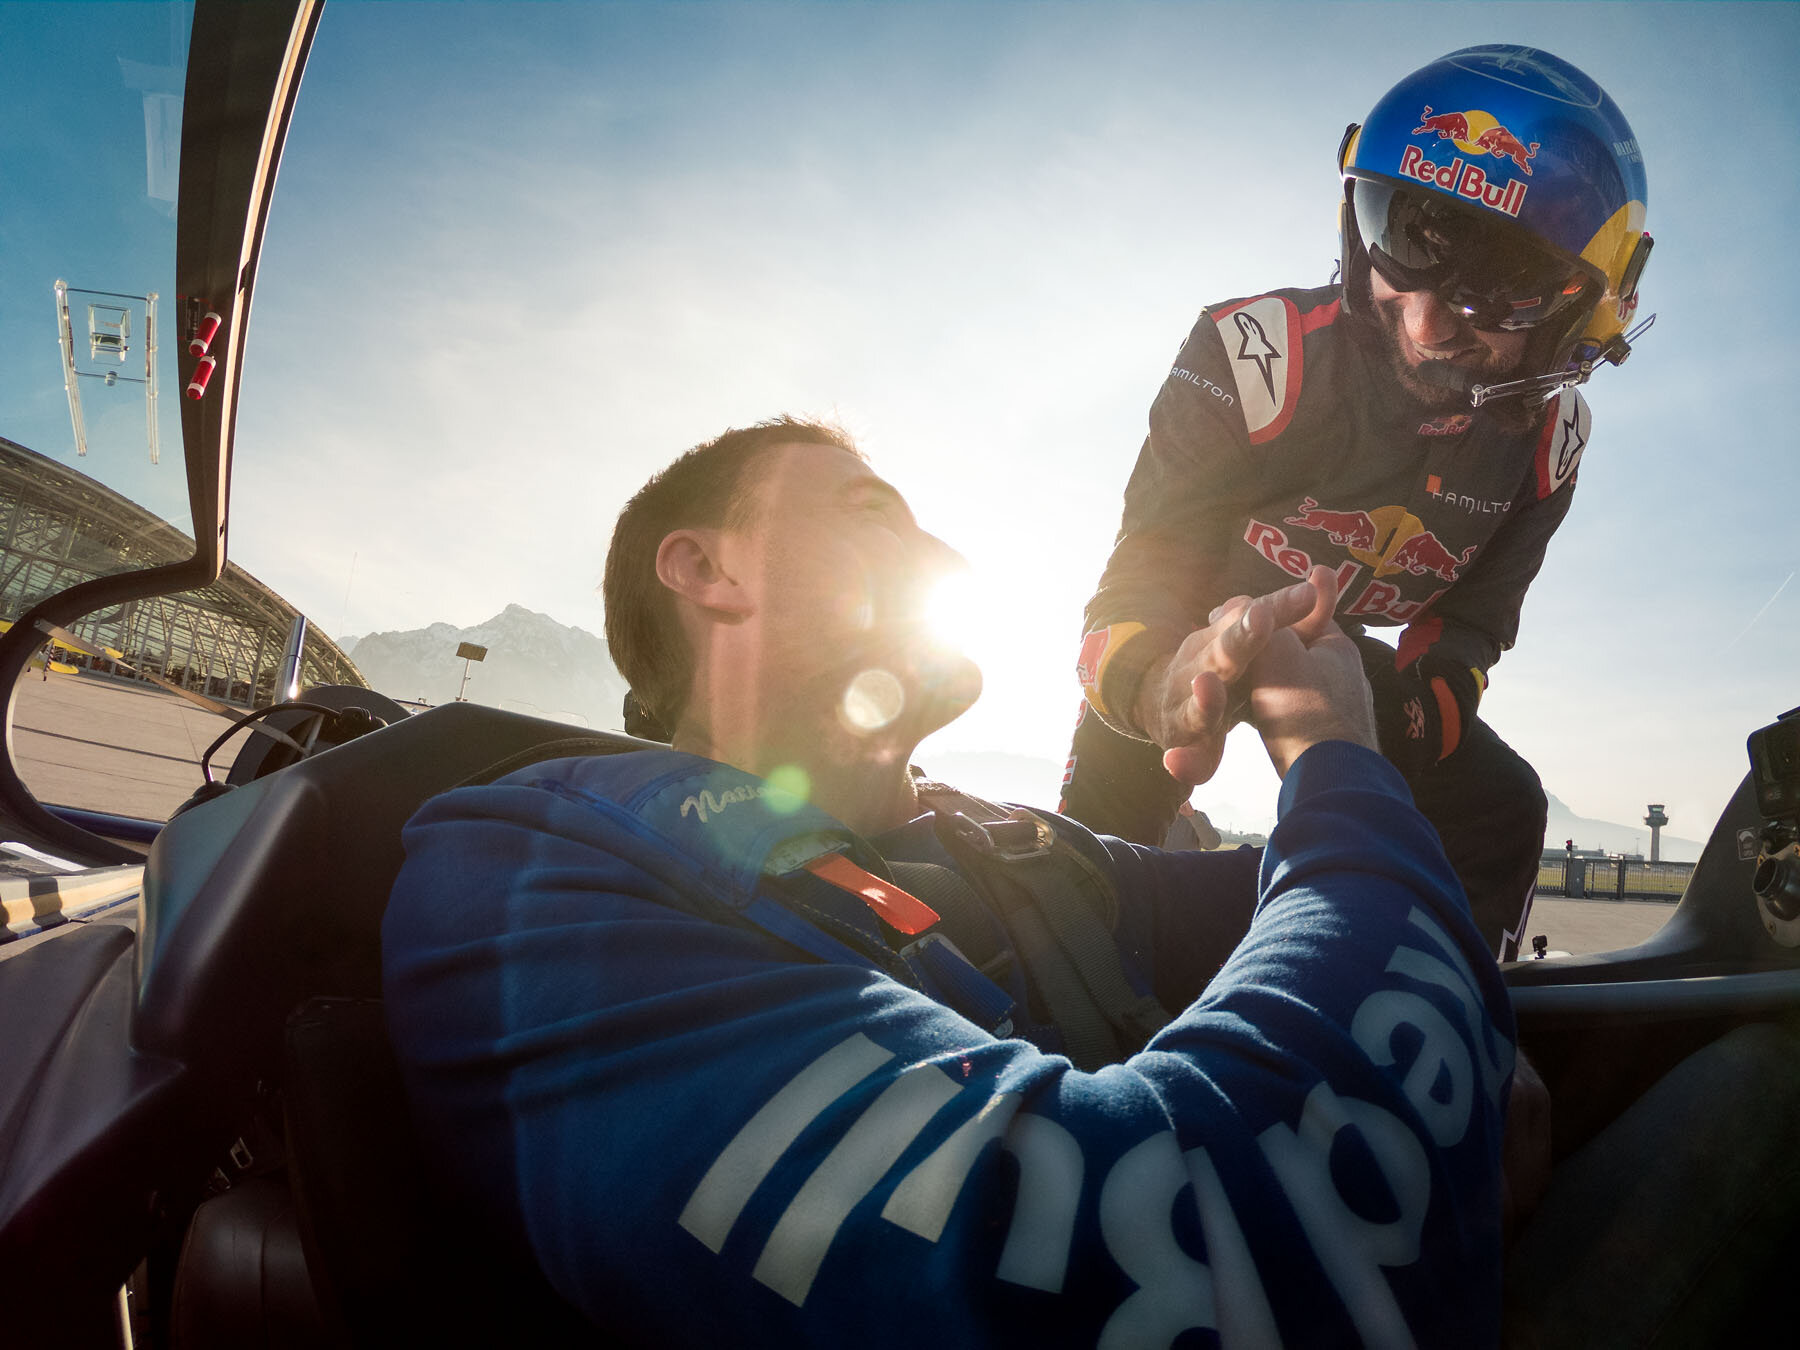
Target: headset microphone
[(1446, 375)]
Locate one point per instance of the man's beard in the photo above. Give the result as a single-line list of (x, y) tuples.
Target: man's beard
[(1404, 381)]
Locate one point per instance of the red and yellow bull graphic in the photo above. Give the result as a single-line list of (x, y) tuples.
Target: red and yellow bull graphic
[(1388, 541), (1475, 132), (1478, 135)]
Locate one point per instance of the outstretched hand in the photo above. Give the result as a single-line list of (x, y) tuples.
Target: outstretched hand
[(1305, 689), (1189, 704)]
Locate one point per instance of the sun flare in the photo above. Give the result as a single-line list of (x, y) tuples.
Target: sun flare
[(952, 613)]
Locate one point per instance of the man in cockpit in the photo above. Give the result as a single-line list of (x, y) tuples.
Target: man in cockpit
[(765, 1039)]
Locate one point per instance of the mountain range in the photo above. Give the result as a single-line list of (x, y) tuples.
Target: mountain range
[(538, 666), (534, 665)]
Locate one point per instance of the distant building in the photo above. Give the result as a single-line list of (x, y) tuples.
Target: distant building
[(226, 640)]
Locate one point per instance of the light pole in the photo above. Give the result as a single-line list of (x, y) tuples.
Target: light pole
[(470, 654)]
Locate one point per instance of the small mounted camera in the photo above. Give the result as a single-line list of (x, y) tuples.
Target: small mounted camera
[(1775, 767)]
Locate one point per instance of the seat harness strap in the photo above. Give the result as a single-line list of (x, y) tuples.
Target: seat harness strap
[(1062, 910), (1058, 908)]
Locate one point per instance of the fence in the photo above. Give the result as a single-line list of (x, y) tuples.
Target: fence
[(1613, 878)]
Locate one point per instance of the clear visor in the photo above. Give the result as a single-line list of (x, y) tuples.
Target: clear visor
[(1490, 272)]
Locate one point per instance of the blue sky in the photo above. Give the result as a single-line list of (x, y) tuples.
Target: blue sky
[(524, 254), (76, 202)]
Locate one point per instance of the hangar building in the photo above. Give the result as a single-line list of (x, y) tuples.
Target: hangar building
[(59, 527)]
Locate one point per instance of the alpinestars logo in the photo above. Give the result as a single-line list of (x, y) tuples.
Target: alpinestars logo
[(1562, 442), (1256, 348), (1569, 448)]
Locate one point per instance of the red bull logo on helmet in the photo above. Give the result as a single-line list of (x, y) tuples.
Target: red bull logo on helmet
[(1466, 180), (1478, 135), (1502, 144)]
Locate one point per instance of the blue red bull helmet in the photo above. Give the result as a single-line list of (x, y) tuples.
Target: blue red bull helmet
[(1508, 182)]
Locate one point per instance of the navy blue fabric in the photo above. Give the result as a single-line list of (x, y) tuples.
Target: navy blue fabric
[(706, 1136)]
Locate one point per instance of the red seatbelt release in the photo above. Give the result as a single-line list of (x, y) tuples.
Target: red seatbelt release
[(897, 908)]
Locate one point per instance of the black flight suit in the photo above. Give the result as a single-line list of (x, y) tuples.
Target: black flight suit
[(1279, 441)]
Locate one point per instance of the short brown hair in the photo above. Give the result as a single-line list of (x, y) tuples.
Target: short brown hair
[(706, 487)]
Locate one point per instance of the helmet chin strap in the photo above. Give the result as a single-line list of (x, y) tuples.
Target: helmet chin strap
[(1447, 375)]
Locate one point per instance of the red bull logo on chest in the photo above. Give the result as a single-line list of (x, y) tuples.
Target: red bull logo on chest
[(1389, 539), (1478, 135)]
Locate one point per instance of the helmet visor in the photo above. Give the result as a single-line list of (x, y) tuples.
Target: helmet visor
[(1491, 273)]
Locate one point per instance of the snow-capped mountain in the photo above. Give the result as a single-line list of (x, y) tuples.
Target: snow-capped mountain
[(534, 665)]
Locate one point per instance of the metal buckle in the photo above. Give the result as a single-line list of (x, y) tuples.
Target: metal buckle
[(1020, 836)]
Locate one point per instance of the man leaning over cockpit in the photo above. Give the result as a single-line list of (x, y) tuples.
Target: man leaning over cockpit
[(765, 1040)]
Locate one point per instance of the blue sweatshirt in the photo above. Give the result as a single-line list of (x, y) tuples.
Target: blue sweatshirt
[(705, 1135)]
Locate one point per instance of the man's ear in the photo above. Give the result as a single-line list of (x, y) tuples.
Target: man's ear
[(691, 563)]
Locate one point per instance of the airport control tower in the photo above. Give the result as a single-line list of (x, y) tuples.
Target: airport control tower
[(1656, 820)]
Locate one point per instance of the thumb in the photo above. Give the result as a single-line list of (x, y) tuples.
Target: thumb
[(1319, 618)]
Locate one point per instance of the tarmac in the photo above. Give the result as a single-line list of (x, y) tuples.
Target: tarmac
[(1583, 927), (105, 744), (132, 749)]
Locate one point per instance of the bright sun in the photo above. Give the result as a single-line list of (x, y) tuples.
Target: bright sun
[(951, 614)]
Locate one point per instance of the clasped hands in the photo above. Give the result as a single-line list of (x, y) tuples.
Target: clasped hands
[(1279, 661)]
